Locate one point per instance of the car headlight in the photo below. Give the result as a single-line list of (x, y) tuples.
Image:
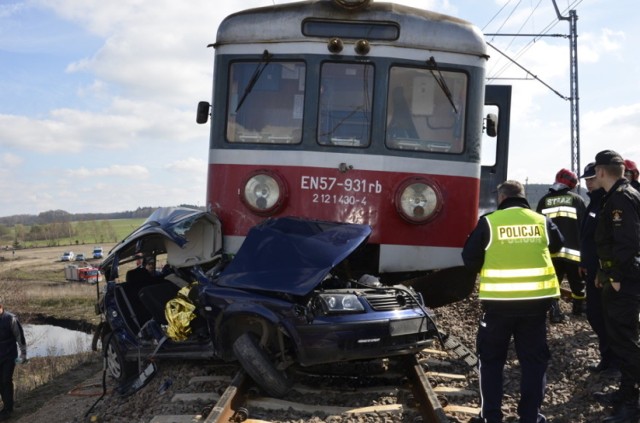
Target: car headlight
[(418, 200), (341, 303), (264, 193)]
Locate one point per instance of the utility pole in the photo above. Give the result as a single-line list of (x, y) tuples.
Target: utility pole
[(573, 95)]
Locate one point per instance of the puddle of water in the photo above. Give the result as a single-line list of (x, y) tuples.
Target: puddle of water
[(48, 340)]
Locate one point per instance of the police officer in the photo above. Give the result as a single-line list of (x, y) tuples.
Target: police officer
[(618, 243), (566, 209), (589, 265), (510, 248), (11, 336), (631, 173)]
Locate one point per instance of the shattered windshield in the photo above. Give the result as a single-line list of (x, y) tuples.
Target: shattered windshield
[(420, 114), (265, 103), (346, 98)]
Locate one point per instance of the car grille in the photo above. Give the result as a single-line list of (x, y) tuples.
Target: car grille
[(386, 302)]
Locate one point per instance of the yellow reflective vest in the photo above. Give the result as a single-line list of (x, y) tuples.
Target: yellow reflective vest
[(517, 263)]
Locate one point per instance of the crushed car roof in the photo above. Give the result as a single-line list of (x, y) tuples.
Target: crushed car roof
[(291, 255), (173, 228)]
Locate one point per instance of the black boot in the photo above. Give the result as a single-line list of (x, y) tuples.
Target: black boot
[(613, 398), (578, 307), (626, 413), (555, 315)]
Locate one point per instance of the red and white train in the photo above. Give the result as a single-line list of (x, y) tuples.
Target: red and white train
[(362, 112)]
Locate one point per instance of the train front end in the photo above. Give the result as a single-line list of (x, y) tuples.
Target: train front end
[(365, 113)]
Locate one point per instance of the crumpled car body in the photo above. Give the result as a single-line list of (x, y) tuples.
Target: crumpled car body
[(287, 298)]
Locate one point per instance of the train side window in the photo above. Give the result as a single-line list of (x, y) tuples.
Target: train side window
[(265, 102), (346, 98), (420, 117)]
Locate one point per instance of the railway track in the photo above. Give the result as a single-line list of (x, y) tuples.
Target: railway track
[(431, 387)]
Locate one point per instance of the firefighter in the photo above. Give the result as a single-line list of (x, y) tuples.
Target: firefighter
[(631, 173), (510, 248), (566, 209), (618, 245)]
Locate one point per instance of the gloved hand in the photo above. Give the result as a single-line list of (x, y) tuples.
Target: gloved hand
[(22, 359)]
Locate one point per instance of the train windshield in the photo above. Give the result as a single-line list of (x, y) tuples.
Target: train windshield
[(346, 97), (420, 114), (265, 102)]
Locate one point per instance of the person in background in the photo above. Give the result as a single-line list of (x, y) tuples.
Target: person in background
[(617, 240), (589, 265), (566, 209), (511, 249), (11, 338), (144, 274), (631, 173)]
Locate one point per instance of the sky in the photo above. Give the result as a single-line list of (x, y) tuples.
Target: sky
[(98, 98)]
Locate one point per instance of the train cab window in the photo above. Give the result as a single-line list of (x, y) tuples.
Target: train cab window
[(420, 114), (346, 96), (265, 102)]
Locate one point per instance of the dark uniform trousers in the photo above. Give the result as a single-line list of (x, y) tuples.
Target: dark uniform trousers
[(595, 316), (569, 269), (621, 318), (530, 339), (8, 355)]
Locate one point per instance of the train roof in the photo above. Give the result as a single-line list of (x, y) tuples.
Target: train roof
[(419, 28)]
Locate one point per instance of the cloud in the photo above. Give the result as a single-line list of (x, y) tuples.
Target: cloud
[(618, 124), (129, 172), (189, 165), (592, 47), (9, 160), (125, 124)]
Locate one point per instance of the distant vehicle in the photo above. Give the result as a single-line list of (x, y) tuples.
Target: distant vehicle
[(73, 272), (284, 299), (80, 257), (97, 252), (67, 256)]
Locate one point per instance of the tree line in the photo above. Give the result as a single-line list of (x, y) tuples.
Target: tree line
[(54, 225), (54, 216), (51, 233)]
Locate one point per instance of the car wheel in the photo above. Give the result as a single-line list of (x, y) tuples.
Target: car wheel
[(118, 368), (258, 365)]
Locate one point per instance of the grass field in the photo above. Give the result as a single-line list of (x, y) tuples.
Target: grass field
[(119, 228)]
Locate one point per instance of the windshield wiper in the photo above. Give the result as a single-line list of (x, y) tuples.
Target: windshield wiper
[(442, 83), (266, 58)]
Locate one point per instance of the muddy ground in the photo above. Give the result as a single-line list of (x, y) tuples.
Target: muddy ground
[(22, 273)]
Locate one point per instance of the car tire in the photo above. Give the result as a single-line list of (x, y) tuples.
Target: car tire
[(117, 366), (259, 367)]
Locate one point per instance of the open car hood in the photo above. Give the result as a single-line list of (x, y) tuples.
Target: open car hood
[(291, 255), (188, 236)]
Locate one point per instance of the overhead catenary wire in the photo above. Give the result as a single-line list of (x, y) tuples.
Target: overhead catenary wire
[(535, 37), (528, 72)]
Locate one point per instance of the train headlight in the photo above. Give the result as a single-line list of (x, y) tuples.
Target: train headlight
[(418, 200), (352, 4), (341, 303), (264, 193)]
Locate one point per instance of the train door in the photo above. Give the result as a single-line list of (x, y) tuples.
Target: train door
[(495, 151)]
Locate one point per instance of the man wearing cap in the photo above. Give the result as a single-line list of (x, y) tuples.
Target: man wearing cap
[(566, 209), (589, 265), (631, 173), (617, 239), (510, 248), (11, 337)]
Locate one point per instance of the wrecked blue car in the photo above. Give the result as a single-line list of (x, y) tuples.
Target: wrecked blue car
[(286, 298)]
